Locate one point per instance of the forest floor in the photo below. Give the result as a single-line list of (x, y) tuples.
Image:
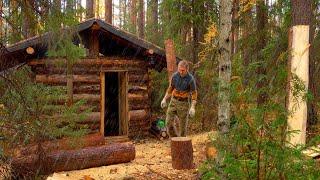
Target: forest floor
[(153, 161)]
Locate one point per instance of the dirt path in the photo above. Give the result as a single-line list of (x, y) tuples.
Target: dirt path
[(153, 161)]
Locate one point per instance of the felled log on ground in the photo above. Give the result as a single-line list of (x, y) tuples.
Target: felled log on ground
[(75, 159), (182, 153), (62, 144)]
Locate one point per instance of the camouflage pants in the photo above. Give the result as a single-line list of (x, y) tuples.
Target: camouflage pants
[(179, 109)]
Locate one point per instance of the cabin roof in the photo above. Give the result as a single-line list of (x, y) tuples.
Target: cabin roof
[(112, 41)]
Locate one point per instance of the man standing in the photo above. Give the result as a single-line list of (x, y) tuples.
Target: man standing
[(182, 87)]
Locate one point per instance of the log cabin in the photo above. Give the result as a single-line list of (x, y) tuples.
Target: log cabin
[(113, 77)]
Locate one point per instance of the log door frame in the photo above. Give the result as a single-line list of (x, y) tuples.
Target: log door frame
[(123, 101)]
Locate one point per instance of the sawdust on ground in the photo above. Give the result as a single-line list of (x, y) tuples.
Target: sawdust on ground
[(153, 161)]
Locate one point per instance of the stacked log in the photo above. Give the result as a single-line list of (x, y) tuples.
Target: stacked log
[(74, 159), (86, 76), (66, 144)]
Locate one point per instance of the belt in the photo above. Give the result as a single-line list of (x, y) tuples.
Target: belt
[(180, 99)]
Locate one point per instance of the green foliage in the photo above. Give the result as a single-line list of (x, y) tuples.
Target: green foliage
[(25, 116)]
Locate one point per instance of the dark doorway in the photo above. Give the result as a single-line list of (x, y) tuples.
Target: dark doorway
[(111, 113)]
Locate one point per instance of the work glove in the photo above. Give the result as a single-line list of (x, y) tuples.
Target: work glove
[(163, 103), (192, 110)]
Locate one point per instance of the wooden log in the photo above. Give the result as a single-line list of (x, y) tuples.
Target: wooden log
[(76, 159), (88, 70), (89, 98), (182, 153), (58, 79), (92, 62), (116, 139), (65, 144), (93, 118), (87, 89), (133, 89), (134, 106), (137, 97), (138, 115), (138, 78), (138, 83), (54, 109)]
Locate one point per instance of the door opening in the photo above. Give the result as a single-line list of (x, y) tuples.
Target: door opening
[(111, 112), (114, 104)]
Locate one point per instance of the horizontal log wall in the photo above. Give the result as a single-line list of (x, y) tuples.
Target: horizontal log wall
[(86, 78)]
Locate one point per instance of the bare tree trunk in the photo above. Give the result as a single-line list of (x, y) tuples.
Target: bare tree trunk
[(90, 9), (125, 23), (301, 13), (1, 25), (28, 18), (187, 27), (121, 14), (195, 34), (56, 5), (235, 26), (154, 16), (312, 111), (262, 40), (108, 11), (224, 58), (70, 5), (133, 16), (79, 13), (246, 49), (141, 19)]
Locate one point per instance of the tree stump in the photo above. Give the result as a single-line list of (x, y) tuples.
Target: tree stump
[(182, 153)]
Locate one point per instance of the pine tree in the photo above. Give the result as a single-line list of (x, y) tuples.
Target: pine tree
[(90, 9), (224, 58), (140, 20), (299, 68), (108, 11)]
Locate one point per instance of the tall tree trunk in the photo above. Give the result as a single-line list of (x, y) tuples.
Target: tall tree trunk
[(312, 111), (186, 28), (224, 58), (70, 5), (79, 12), (262, 40), (123, 13), (235, 26), (154, 16), (245, 46), (133, 16), (195, 34), (28, 18), (57, 5), (301, 12), (108, 11), (97, 10), (125, 21), (90, 9), (141, 20), (1, 25)]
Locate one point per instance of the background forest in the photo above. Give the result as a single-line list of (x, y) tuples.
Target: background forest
[(259, 74)]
